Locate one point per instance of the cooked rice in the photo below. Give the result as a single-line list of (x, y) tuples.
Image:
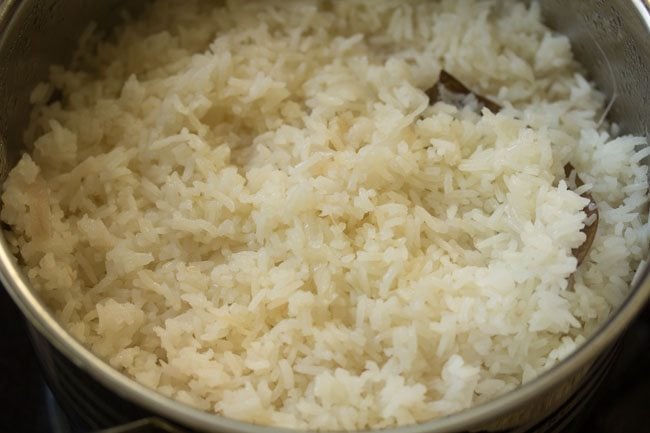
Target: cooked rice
[(252, 208)]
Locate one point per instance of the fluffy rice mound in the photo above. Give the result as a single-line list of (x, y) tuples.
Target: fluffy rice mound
[(253, 208)]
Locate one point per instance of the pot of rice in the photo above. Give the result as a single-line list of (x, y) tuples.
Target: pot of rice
[(417, 216)]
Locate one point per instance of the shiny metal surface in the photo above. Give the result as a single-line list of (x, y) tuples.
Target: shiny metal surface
[(33, 36), (612, 39)]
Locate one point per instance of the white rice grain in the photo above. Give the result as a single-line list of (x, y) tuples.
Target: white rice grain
[(253, 208)]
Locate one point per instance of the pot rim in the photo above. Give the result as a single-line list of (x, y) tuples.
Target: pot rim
[(38, 315)]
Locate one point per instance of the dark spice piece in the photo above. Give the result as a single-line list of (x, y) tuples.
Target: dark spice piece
[(580, 253), (453, 85)]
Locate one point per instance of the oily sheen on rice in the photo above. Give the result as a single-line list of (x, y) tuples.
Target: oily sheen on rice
[(251, 207)]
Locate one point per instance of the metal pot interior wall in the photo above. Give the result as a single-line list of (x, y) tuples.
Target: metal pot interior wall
[(609, 37)]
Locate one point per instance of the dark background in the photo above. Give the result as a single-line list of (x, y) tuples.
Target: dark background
[(621, 405)]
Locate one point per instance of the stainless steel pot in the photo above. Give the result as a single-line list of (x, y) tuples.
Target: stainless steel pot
[(611, 37)]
